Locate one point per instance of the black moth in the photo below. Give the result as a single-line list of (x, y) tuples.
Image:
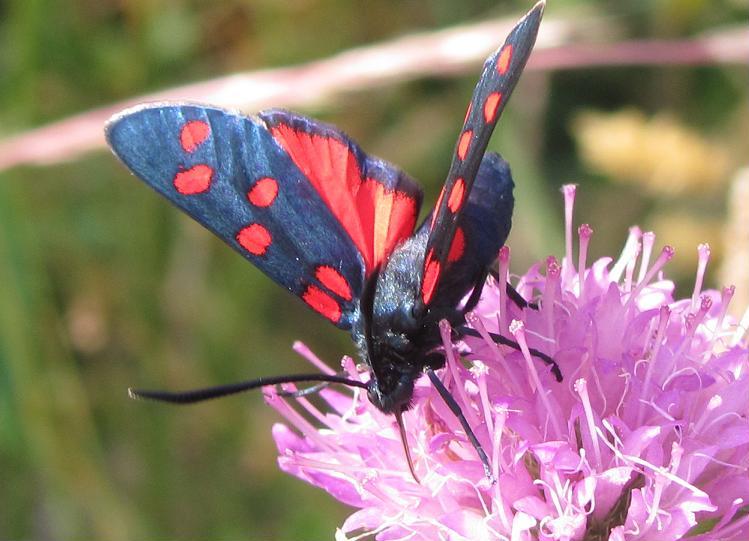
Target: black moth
[(301, 201)]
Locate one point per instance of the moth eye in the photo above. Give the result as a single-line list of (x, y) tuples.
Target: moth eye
[(417, 313), (404, 321)]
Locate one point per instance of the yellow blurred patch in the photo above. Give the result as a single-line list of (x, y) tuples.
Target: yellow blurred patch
[(684, 231), (659, 154)]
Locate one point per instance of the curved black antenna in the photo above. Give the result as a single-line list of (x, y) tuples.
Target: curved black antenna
[(208, 393)]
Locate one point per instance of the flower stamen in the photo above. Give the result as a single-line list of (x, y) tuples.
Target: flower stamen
[(648, 242), (569, 191), (501, 362), (504, 273), (452, 364), (630, 250), (667, 253), (516, 329), (581, 387), (553, 272), (703, 257), (302, 349), (584, 232), (726, 294)]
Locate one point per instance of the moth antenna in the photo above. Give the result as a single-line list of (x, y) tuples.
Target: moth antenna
[(208, 393), (404, 439)]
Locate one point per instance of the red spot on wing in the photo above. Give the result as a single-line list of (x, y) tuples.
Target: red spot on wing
[(192, 134), (263, 192), (334, 281), (457, 247), (376, 219), (491, 105), (455, 200), (322, 303), (503, 62), (464, 143), (195, 180), (255, 238), (429, 281)]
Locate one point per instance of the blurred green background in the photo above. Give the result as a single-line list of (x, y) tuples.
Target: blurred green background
[(103, 285)]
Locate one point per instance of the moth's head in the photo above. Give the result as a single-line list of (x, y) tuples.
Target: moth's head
[(391, 392), (394, 358)]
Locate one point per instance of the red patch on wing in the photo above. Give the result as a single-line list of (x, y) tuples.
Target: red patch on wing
[(263, 192), (455, 200), (503, 62), (255, 238), (192, 134), (491, 105), (376, 219), (457, 247), (464, 143), (429, 281), (195, 180), (334, 281), (322, 303)]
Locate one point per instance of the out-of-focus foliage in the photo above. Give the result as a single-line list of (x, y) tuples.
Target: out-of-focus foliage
[(104, 285)]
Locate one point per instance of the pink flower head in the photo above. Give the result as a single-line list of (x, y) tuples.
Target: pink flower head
[(646, 437)]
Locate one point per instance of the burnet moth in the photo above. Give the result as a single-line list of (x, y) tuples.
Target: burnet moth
[(336, 227)]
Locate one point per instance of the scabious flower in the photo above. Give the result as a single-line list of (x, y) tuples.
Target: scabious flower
[(646, 438)]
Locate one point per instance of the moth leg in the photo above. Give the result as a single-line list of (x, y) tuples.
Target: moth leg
[(313, 389), (473, 300), (455, 408), (513, 294), (518, 299), (303, 392), (499, 339)]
